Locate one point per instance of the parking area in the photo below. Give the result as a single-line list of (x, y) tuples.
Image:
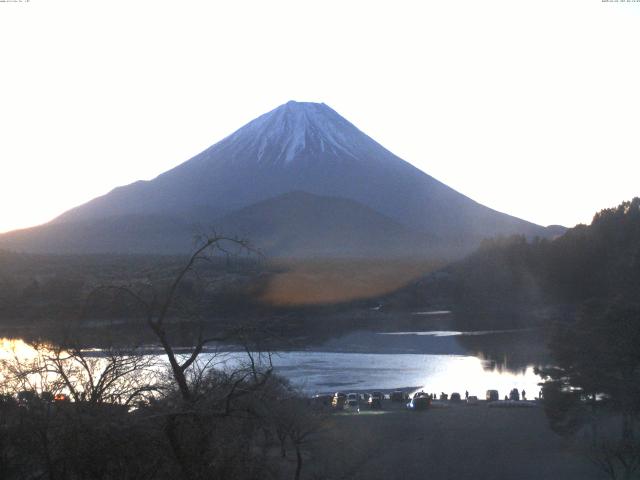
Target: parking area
[(449, 441)]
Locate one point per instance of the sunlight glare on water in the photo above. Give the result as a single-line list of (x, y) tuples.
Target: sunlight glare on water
[(15, 348), (323, 372)]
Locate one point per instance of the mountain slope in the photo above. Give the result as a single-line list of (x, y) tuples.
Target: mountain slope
[(128, 234), (295, 224), (300, 224), (298, 147)]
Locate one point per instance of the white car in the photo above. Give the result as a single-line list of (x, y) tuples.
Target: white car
[(353, 402)]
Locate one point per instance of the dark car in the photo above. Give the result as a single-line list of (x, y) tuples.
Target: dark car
[(455, 397), (514, 395), (398, 396), (492, 396), (322, 400), (375, 400), (27, 398), (352, 405), (419, 403)]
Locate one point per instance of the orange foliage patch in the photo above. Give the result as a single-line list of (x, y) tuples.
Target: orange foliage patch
[(313, 282)]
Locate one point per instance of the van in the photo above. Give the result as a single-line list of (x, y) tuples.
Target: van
[(375, 400), (492, 396), (397, 396)]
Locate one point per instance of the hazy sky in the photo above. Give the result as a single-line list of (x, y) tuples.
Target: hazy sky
[(529, 107)]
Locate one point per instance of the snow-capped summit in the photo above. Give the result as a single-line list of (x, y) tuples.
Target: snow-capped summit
[(302, 126), (294, 131), (297, 147)]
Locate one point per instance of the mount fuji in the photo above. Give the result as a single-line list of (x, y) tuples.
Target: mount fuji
[(297, 181)]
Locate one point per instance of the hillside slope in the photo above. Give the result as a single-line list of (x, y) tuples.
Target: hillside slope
[(298, 147)]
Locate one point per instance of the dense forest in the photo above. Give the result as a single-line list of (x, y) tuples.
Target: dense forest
[(42, 289), (583, 290), (515, 282), (596, 261)]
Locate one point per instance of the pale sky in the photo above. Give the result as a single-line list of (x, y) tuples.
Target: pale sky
[(529, 107)]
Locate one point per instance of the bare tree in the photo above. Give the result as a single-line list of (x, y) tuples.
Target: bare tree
[(211, 411), (157, 306), (113, 376), (212, 402)]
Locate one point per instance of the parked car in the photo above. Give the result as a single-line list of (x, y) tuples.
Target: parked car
[(472, 400), (455, 397), (398, 396), (322, 400), (27, 398), (493, 396), (339, 399), (419, 403), (46, 397), (352, 405), (514, 394), (375, 400)]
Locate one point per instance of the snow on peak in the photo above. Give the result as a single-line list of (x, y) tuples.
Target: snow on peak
[(284, 133)]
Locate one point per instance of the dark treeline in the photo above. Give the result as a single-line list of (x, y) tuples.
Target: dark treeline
[(592, 389), (133, 423), (596, 261), (583, 290), (39, 289), (513, 282), (39, 293), (67, 413)]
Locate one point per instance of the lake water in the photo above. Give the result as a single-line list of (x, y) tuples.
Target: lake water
[(321, 372), (436, 361)]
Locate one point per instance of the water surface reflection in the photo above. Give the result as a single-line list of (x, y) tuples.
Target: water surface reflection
[(317, 372), (436, 361)]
